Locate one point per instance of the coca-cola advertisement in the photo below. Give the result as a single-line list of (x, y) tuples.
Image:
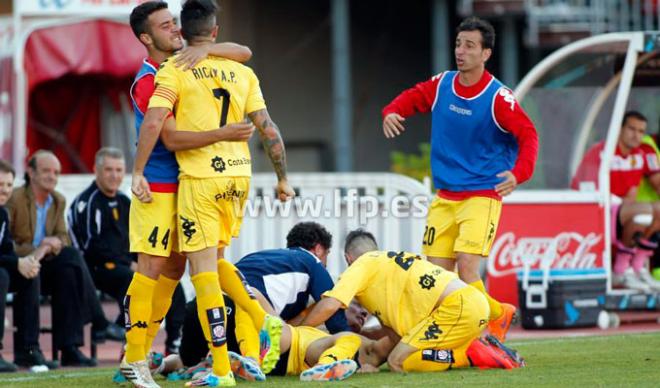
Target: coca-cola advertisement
[(543, 236)]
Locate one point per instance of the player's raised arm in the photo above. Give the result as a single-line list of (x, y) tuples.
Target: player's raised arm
[(192, 55), (149, 132), (418, 99), (274, 146)]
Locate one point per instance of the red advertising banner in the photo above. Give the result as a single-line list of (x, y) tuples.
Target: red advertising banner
[(559, 235)]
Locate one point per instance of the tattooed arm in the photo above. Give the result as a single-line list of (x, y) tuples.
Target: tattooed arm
[(274, 146)]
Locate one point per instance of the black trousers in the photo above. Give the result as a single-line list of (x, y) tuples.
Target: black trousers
[(74, 302), (25, 306), (175, 318), (114, 280)]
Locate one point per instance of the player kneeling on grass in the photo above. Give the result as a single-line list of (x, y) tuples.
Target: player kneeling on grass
[(311, 353), (434, 316)]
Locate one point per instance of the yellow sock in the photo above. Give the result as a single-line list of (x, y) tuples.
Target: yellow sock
[(138, 304), (344, 348), (461, 359), (211, 313), (428, 360), (160, 304), (235, 285), (246, 335), (495, 306)]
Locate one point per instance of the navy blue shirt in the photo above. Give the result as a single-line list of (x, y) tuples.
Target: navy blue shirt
[(287, 278)]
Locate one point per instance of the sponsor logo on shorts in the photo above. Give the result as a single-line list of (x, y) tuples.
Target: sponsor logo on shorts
[(231, 193), (427, 281), (188, 227), (491, 232), (218, 164), (432, 332), (438, 355)]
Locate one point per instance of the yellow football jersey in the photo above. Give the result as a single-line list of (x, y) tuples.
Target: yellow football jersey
[(215, 92), (399, 288)]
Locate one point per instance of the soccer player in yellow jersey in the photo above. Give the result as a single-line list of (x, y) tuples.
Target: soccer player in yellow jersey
[(436, 315), (214, 180), (153, 222)]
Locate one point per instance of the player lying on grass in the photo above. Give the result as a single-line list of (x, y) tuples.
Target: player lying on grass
[(311, 353), (307, 352), (436, 317)]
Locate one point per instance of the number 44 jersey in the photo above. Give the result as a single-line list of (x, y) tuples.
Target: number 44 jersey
[(214, 93)]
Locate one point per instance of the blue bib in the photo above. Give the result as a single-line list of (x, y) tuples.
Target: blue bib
[(162, 166), (468, 148)]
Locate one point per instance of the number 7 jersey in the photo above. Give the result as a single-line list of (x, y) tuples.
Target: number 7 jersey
[(214, 93)]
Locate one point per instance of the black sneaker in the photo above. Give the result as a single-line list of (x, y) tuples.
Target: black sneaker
[(6, 366), (112, 332), (74, 357), (31, 357)]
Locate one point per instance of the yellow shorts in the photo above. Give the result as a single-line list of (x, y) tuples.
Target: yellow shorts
[(301, 338), (210, 211), (460, 319), (466, 226), (152, 226)]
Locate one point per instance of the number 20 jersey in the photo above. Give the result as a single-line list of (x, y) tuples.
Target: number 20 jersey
[(215, 92)]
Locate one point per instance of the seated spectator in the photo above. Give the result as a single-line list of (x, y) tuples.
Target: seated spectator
[(98, 226), (647, 193), (18, 275), (36, 213), (635, 242)]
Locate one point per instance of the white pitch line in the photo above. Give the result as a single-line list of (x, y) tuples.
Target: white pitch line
[(50, 376)]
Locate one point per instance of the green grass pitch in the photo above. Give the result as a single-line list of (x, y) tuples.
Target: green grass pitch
[(607, 361)]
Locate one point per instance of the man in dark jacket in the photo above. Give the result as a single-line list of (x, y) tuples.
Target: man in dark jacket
[(18, 275), (36, 212)]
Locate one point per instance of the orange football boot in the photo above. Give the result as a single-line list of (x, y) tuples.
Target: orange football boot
[(500, 326)]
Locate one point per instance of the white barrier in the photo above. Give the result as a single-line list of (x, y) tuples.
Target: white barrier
[(391, 206)]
